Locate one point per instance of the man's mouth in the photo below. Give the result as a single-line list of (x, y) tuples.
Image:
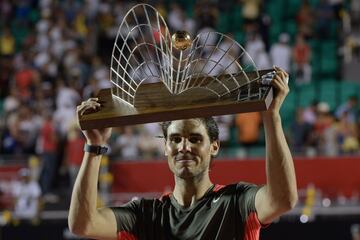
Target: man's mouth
[(185, 161), (185, 158)]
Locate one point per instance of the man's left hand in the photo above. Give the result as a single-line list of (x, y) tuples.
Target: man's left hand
[(281, 89)]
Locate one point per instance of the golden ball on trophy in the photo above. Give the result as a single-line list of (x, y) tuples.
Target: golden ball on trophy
[(181, 40)]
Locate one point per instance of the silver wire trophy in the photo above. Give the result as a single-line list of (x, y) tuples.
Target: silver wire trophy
[(157, 76)]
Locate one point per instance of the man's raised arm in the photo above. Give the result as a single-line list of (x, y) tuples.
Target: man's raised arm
[(280, 192), (84, 217)]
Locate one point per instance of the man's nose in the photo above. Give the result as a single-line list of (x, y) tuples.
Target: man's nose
[(185, 145)]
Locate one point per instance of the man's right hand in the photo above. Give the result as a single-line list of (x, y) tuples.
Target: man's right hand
[(98, 137)]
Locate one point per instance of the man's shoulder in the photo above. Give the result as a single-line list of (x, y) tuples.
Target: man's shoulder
[(240, 189), (141, 204), (155, 202), (219, 188), (229, 190), (234, 186)]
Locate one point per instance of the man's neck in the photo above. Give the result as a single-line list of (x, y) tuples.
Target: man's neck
[(188, 191)]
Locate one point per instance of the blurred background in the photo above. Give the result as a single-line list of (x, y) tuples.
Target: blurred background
[(55, 54)]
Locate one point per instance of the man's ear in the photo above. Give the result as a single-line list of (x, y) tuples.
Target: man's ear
[(215, 146)]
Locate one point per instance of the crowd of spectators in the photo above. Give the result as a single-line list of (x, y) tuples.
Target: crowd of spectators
[(317, 131), (54, 54)]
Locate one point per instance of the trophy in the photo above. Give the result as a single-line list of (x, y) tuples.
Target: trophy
[(157, 76)]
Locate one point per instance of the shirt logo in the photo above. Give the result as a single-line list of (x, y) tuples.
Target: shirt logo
[(216, 199)]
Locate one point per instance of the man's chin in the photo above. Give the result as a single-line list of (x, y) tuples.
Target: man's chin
[(184, 172)]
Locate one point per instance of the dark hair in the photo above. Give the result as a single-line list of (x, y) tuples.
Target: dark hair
[(209, 123)]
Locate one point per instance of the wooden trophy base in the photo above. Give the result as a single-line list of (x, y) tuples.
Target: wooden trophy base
[(154, 103)]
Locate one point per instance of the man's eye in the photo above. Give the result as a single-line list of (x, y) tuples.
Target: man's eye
[(175, 139), (194, 139)]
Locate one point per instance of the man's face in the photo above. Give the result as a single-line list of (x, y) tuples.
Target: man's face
[(189, 149)]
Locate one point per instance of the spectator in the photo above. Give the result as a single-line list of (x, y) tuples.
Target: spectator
[(300, 132), (92, 89), (225, 123), (347, 135), (150, 145), (355, 13), (26, 192), (6, 76), (206, 15), (338, 7), (24, 127), (324, 16), (280, 53), (7, 43), (323, 122), (63, 117), (350, 108), (331, 140), (44, 98), (26, 79), (261, 59), (254, 45), (302, 55), (6, 11), (305, 19), (251, 12), (128, 141), (248, 125), (175, 17), (100, 73), (11, 102), (351, 47), (74, 154), (178, 20), (47, 148), (310, 113)]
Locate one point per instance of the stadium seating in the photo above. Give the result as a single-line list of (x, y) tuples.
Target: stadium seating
[(306, 94), (348, 89)]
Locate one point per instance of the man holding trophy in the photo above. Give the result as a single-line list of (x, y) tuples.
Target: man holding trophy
[(197, 208)]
